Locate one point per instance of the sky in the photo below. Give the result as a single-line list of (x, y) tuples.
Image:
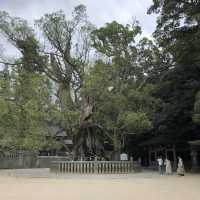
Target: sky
[(99, 12)]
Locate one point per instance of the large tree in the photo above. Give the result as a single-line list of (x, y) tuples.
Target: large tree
[(63, 56)]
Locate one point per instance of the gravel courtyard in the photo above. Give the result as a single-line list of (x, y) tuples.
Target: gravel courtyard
[(39, 184)]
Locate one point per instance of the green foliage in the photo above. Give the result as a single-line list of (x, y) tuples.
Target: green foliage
[(135, 122), (24, 106), (135, 85), (178, 28), (64, 65), (117, 43), (110, 105), (177, 33), (16, 29), (115, 39), (8, 113), (120, 89)]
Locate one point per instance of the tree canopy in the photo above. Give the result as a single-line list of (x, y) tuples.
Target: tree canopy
[(177, 33)]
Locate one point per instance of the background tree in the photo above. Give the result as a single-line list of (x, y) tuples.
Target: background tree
[(178, 28), (177, 33), (8, 112), (123, 97), (25, 105)]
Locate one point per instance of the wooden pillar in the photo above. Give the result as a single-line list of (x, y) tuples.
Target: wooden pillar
[(174, 155), (194, 154), (149, 152), (194, 158)]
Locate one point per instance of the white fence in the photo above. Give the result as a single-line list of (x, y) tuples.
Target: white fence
[(97, 167)]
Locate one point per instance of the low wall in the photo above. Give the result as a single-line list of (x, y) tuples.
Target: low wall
[(18, 160), (22, 160), (45, 161)]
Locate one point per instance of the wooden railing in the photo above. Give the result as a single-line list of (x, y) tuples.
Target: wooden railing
[(98, 167)]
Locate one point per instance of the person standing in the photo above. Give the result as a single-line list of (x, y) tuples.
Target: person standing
[(160, 165), (180, 169), (168, 166)]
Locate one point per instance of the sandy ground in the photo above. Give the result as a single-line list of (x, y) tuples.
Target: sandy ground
[(24, 185)]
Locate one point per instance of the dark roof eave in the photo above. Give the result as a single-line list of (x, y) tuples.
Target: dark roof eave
[(159, 140)]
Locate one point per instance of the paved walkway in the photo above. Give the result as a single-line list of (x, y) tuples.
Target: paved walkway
[(45, 173), (40, 184)]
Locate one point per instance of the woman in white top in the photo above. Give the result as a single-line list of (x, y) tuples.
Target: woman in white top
[(168, 166)]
